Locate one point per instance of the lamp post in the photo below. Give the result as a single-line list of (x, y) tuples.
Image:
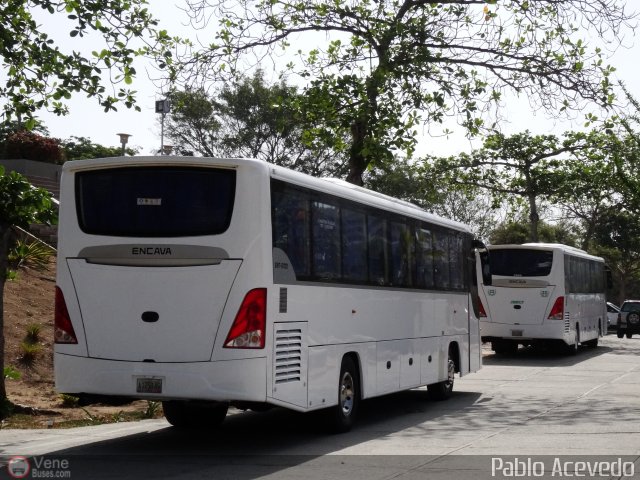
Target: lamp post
[(124, 138), (167, 149), (162, 107)]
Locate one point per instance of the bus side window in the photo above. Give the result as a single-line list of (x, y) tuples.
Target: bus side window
[(354, 246), (377, 228), (456, 261), (290, 219), (326, 241), (424, 258), (441, 259), (401, 254)]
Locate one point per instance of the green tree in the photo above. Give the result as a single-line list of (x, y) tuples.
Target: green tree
[(40, 74), (521, 166), (192, 126), (518, 232), (81, 148), (625, 154), (377, 69), (250, 118), (587, 187), (617, 239), (419, 183), (20, 205)]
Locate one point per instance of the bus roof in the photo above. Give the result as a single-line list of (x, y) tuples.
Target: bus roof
[(343, 189), (333, 186), (548, 246)]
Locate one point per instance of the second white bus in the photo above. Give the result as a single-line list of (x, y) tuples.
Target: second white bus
[(206, 283), (543, 294)]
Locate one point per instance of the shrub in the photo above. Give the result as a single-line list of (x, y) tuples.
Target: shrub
[(31, 146), (69, 401), (33, 254), (33, 333), (30, 352)]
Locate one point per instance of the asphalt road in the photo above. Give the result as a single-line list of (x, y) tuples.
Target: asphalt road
[(529, 415)]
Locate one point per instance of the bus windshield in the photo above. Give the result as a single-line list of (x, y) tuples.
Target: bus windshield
[(517, 262)]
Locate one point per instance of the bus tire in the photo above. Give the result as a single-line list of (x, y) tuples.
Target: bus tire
[(591, 343), (442, 390), (342, 417), (629, 334), (184, 414), (594, 342), (620, 332)]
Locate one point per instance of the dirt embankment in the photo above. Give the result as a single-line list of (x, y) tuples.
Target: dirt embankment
[(29, 301)]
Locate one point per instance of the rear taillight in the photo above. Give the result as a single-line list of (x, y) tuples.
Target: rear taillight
[(481, 310), (557, 311), (248, 329), (63, 330)]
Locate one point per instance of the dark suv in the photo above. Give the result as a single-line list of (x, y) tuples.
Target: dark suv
[(629, 318)]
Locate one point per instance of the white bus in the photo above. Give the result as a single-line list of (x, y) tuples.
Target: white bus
[(543, 294), (208, 282)]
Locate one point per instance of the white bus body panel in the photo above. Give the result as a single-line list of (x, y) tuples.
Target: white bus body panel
[(518, 306), (188, 318)]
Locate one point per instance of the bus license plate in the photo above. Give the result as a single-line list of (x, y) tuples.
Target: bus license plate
[(516, 333), (148, 385)]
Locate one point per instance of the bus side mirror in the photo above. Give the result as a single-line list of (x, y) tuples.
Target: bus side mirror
[(483, 253)]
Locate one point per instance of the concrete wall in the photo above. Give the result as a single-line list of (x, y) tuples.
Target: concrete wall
[(33, 168), (40, 174)]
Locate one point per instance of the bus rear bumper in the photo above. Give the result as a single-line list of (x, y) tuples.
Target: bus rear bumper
[(189, 381), (491, 331)]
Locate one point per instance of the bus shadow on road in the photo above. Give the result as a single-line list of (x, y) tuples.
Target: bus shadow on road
[(540, 356), (255, 444)]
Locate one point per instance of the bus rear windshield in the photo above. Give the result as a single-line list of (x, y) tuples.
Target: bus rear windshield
[(518, 262), (155, 201)]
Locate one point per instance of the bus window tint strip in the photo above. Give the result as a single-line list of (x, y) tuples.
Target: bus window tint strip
[(328, 239), (583, 275), (515, 262)]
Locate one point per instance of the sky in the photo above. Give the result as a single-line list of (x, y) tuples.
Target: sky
[(87, 118)]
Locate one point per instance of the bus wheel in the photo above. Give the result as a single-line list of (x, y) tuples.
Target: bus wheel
[(442, 390), (629, 334), (594, 342), (620, 333), (183, 414), (591, 343), (343, 416)]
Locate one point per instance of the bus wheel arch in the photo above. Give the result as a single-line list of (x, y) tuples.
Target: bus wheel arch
[(573, 348), (342, 417), (442, 390), (454, 353)]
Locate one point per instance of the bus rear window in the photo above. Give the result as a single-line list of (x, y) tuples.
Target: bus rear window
[(155, 201), (518, 262)]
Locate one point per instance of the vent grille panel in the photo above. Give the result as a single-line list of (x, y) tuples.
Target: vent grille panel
[(288, 355)]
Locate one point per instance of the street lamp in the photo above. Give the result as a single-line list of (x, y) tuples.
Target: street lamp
[(167, 149), (124, 138), (162, 107)]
